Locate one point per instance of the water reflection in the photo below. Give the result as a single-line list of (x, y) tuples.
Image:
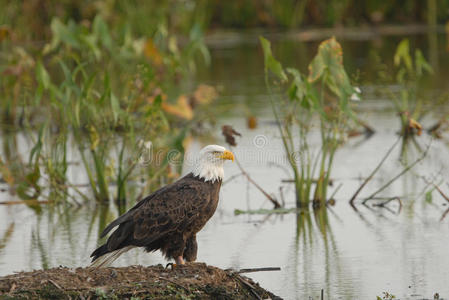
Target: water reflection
[(314, 234), (350, 254)]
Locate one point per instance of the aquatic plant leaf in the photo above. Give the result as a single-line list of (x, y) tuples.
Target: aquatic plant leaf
[(7, 236), (115, 106), (271, 63), (6, 173), (403, 55), (429, 196), (90, 40), (62, 33), (101, 30), (42, 75), (94, 138), (28, 188), (36, 150), (327, 65), (421, 64), (299, 89)]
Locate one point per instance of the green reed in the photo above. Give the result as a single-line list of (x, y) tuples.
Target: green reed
[(301, 103)]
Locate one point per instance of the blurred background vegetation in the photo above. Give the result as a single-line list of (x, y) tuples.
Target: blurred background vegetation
[(32, 19), (84, 81)]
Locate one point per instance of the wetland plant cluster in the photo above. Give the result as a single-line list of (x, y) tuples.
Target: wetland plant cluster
[(94, 101), (323, 102)]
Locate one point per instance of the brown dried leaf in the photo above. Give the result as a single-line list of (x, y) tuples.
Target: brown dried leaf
[(205, 94), (252, 122), (416, 125), (181, 109), (150, 51), (229, 133), (5, 32)]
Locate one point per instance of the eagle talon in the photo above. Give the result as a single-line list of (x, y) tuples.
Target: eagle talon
[(172, 265)]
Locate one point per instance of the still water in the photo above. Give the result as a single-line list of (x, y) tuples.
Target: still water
[(350, 254)]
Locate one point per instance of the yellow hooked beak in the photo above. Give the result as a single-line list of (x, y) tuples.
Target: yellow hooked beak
[(227, 155)]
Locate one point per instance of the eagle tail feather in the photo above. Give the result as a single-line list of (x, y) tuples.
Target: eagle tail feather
[(105, 260)]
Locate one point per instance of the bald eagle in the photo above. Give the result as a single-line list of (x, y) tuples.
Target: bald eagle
[(169, 219)]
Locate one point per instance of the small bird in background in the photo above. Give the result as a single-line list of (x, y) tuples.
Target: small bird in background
[(169, 219)]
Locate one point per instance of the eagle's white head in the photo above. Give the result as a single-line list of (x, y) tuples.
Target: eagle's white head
[(209, 165)]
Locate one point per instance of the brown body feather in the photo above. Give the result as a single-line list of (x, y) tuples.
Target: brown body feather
[(166, 220)]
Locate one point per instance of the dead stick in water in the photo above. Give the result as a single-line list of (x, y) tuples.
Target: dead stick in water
[(388, 201), (251, 270), (274, 201), (373, 173), (405, 170)]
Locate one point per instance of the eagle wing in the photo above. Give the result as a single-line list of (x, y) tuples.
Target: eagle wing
[(166, 211)]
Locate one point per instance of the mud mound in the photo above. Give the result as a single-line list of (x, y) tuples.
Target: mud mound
[(192, 281)]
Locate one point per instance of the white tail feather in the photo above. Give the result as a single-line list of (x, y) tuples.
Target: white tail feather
[(107, 259)]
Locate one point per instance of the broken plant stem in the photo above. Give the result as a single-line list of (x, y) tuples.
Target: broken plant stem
[(405, 170), (252, 270), (441, 192), (335, 191), (232, 178), (351, 201), (388, 201), (274, 201)]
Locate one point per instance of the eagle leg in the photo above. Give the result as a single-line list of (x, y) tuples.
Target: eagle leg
[(179, 260), (191, 249), (175, 248)]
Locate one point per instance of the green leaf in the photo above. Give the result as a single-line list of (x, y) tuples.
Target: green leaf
[(42, 75), (115, 105), (101, 31), (421, 64), (429, 196), (327, 66), (64, 33), (403, 55), (271, 63)]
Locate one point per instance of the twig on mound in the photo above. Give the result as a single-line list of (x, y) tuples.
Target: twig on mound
[(55, 284), (171, 281), (251, 287)]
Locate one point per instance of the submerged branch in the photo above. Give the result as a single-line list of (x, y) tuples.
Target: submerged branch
[(252, 270), (269, 197), (388, 200), (405, 170), (351, 201)]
